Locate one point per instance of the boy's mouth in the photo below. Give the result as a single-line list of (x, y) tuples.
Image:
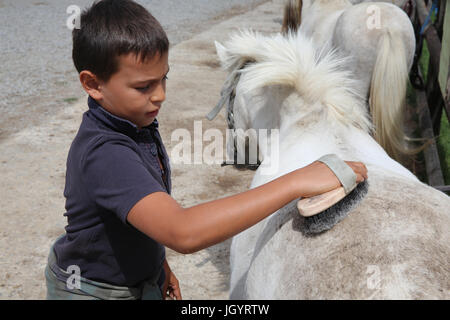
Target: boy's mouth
[(152, 114)]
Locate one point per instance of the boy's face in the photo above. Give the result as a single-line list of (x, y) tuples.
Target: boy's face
[(137, 90)]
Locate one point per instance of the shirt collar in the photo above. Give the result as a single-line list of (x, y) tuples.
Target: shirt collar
[(115, 122)]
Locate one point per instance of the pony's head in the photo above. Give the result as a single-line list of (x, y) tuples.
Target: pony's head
[(287, 82)]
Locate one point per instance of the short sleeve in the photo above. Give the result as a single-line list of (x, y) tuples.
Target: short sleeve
[(116, 177)]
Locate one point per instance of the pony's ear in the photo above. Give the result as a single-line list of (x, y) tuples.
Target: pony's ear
[(221, 52)]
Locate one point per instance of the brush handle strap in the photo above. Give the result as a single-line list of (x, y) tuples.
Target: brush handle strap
[(343, 172)]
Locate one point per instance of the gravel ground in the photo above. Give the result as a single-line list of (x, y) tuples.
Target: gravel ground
[(37, 76), (42, 105)]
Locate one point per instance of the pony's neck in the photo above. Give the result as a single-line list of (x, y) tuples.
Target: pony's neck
[(309, 138), (319, 17), (327, 2), (301, 144)]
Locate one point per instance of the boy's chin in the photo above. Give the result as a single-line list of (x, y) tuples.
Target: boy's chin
[(146, 123)]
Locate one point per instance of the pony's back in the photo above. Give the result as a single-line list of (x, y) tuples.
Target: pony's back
[(394, 245)]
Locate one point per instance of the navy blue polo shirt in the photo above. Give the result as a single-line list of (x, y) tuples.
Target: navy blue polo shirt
[(111, 165)]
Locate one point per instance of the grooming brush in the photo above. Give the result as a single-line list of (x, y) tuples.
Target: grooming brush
[(323, 211)]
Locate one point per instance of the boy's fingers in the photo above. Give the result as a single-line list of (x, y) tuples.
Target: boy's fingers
[(363, 169), (360, 170), (175, 293)]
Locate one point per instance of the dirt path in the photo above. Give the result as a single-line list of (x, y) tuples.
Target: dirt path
[(32, 170)]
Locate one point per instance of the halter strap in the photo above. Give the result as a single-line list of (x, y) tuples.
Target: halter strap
[(215, 111), (228, 93)]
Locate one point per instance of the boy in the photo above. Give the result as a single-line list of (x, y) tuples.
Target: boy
[(119, 209)]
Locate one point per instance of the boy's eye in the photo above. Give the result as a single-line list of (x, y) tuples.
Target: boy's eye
[(143, 88), (149, 85)]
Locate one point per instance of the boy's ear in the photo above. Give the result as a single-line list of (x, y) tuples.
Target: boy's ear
[(91, 84), (221, 52)]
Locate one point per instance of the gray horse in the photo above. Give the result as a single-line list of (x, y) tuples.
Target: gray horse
[(380, 39), (395, 244)]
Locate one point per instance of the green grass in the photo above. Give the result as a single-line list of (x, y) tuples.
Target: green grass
[(415, 164), (443, 145), (443, 141), (70, 100), (424, 60)]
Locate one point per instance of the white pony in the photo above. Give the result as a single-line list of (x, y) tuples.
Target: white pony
[(394, 245), (380, 38)]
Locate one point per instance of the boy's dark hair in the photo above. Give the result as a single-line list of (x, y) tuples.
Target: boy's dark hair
[(110, 28)]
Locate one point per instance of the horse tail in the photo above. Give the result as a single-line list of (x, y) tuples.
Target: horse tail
[(292, 16), (387, 95)]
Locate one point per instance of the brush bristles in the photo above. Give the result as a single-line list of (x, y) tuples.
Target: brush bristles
[(330, 217)]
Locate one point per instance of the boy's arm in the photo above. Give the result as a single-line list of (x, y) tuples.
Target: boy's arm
[(188, 230)]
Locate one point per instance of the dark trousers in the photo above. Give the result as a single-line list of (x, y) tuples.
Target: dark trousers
[(61, 285)]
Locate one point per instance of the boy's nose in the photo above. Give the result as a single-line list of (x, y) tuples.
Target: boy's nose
[(159, 94)]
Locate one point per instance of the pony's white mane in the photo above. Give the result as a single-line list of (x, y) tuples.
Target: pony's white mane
[(294, 61)]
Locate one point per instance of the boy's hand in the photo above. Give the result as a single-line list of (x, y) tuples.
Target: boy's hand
[(171, 285), (317, 178)]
